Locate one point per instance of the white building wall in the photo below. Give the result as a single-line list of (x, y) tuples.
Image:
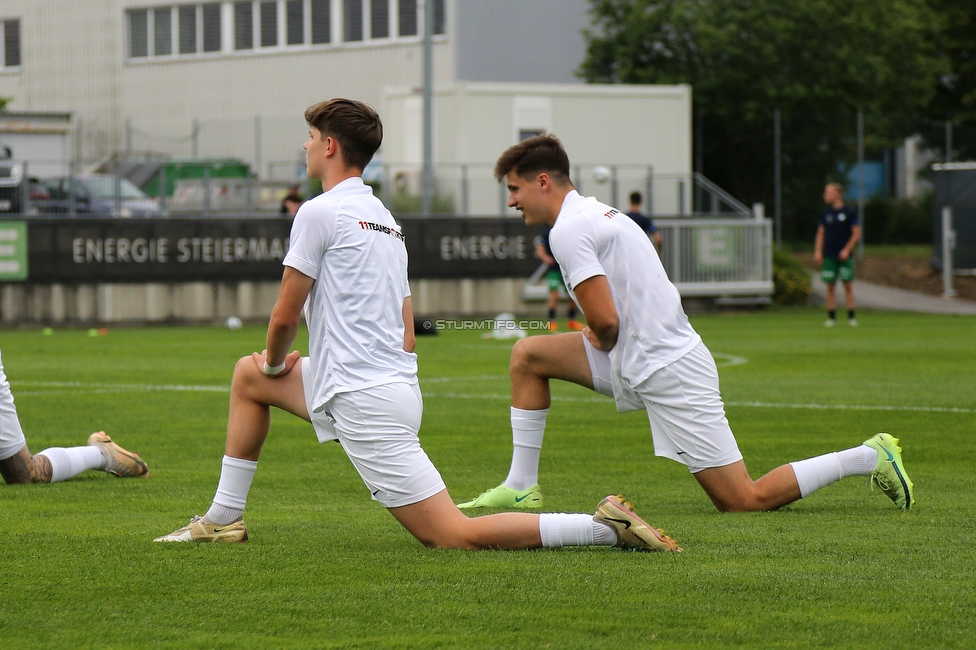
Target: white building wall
[(74, 59), (642, 134), (71, 56)]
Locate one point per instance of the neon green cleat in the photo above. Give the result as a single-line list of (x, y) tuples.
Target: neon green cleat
[(633, 533), (890, 474), (506, 497), (200, 531)]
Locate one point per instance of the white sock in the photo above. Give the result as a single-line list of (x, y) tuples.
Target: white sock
[(72, 461), (528, 428), (560, 529), (814, 473), (228, 504)]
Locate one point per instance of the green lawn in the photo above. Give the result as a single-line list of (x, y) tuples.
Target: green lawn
[(327, 567)]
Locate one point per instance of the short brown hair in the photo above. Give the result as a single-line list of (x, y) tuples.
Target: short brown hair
[(837, 186), (355, 125), (542, 153)]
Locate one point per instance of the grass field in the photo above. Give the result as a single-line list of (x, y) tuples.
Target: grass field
[(327, 567)]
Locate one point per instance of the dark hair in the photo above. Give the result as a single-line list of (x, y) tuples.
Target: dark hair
[(542, 153), (635, 198), (353, 124)]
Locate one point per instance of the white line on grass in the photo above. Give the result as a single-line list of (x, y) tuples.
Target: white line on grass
[(146, 388)]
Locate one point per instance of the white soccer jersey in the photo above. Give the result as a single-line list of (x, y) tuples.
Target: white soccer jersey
[(349, 243), (591, 238)]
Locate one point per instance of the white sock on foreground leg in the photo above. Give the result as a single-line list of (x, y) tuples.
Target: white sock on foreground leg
[(236, 475), (559, 529), (815, 473), (72, 461), (528, 429)]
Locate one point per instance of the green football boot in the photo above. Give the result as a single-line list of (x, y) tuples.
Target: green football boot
[(890, 474), (506, 497)]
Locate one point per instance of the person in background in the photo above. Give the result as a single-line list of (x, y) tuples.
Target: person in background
[(292, 201), (643, 220), (838, 232), (554, 279)]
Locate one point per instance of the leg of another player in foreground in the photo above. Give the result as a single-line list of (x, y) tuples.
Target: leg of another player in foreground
[(18, 465), (435, 520), (57, 464), (536, 360)]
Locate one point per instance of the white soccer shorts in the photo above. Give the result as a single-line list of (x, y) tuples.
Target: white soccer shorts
[(684, 407), (11, 435), (378, 429)]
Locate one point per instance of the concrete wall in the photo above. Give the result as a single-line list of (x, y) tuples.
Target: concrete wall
[(93, 304)]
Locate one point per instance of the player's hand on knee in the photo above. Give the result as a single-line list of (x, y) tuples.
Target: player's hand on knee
[(260, 361)]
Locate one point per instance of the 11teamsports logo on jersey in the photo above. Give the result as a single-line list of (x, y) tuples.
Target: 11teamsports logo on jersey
[(369, 225)]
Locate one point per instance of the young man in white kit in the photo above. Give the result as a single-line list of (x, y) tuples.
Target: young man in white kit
[(347, 265), (639, 348), (18, 465)]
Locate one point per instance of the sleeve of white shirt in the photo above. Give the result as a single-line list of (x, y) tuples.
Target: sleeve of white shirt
[(575, 250), (311, 233)]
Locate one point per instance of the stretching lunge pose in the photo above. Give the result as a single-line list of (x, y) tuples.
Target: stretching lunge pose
[(347, 265), (639, 348), (17, 465)]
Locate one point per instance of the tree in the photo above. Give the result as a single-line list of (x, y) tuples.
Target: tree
[(954, 97), (817, 61)]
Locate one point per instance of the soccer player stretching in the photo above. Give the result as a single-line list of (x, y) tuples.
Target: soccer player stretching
[(639, 348), (347, 265)]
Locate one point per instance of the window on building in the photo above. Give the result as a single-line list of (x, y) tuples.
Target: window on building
[(11, 43), (188, 29), (138, 33), (408, 17), (379, 19), (439, 16), (352, 20), (211, 27), (321, 22), (269, 24), (162, 31), (295, 22), (244, 25), (191, 29)]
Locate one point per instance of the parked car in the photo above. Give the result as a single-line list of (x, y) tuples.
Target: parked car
[(96, 195), (13, 185)]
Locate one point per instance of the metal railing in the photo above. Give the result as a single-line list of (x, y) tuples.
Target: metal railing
[(730, 259), (465, 189), (470, 190)]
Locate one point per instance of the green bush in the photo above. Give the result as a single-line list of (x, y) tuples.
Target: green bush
[(405, 203), (791, 280), (898, 221)]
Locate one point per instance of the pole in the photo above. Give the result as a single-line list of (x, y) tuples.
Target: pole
[(427, 179), (860, 181), (948, 245), (257, 144), (778, 176), (948, 141)]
